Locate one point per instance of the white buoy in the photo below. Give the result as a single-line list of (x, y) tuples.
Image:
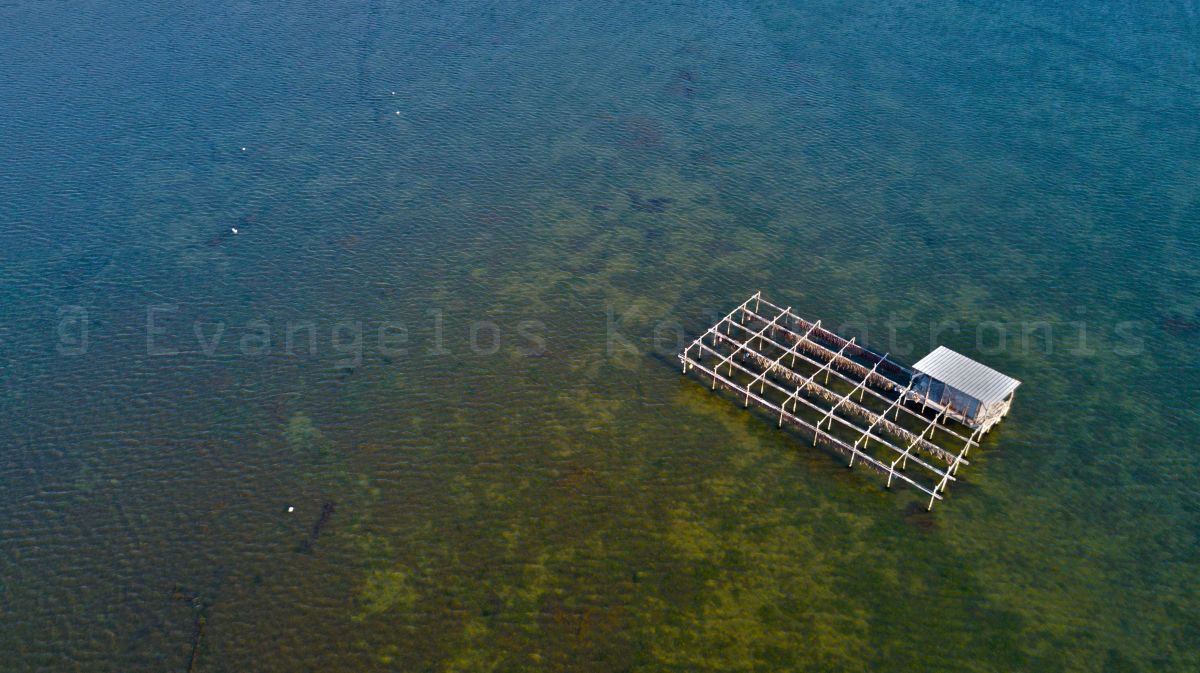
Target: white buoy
[(393, 93), (243, 149), (397, 112), (234, 230), (291, 509)]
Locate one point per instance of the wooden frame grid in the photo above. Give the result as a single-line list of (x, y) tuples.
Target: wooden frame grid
[(750, 345)]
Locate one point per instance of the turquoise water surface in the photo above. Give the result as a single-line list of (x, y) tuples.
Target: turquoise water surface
[(471, 237)]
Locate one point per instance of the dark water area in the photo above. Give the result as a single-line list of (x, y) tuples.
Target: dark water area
[(469, 239)]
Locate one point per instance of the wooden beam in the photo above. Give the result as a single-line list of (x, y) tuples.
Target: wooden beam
[(842, 421), (847, 395), (893, 363), (742, 345), (900, 431), (837, 443), (847, 379)]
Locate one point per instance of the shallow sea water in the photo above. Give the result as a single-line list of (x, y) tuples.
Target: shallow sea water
[(575, 188)]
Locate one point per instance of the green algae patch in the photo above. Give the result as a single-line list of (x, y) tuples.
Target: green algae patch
[(764, 592), (319, 460), (385, 590), (305, 439)]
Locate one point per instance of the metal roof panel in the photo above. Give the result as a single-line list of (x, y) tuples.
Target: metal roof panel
[(962, 373)]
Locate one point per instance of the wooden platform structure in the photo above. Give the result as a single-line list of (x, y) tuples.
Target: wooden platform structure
[(846, 396)]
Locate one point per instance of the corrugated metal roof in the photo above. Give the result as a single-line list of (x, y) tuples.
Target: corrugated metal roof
[(962, 373)]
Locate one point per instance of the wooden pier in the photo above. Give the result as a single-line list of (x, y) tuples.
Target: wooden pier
[(845, 396)]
